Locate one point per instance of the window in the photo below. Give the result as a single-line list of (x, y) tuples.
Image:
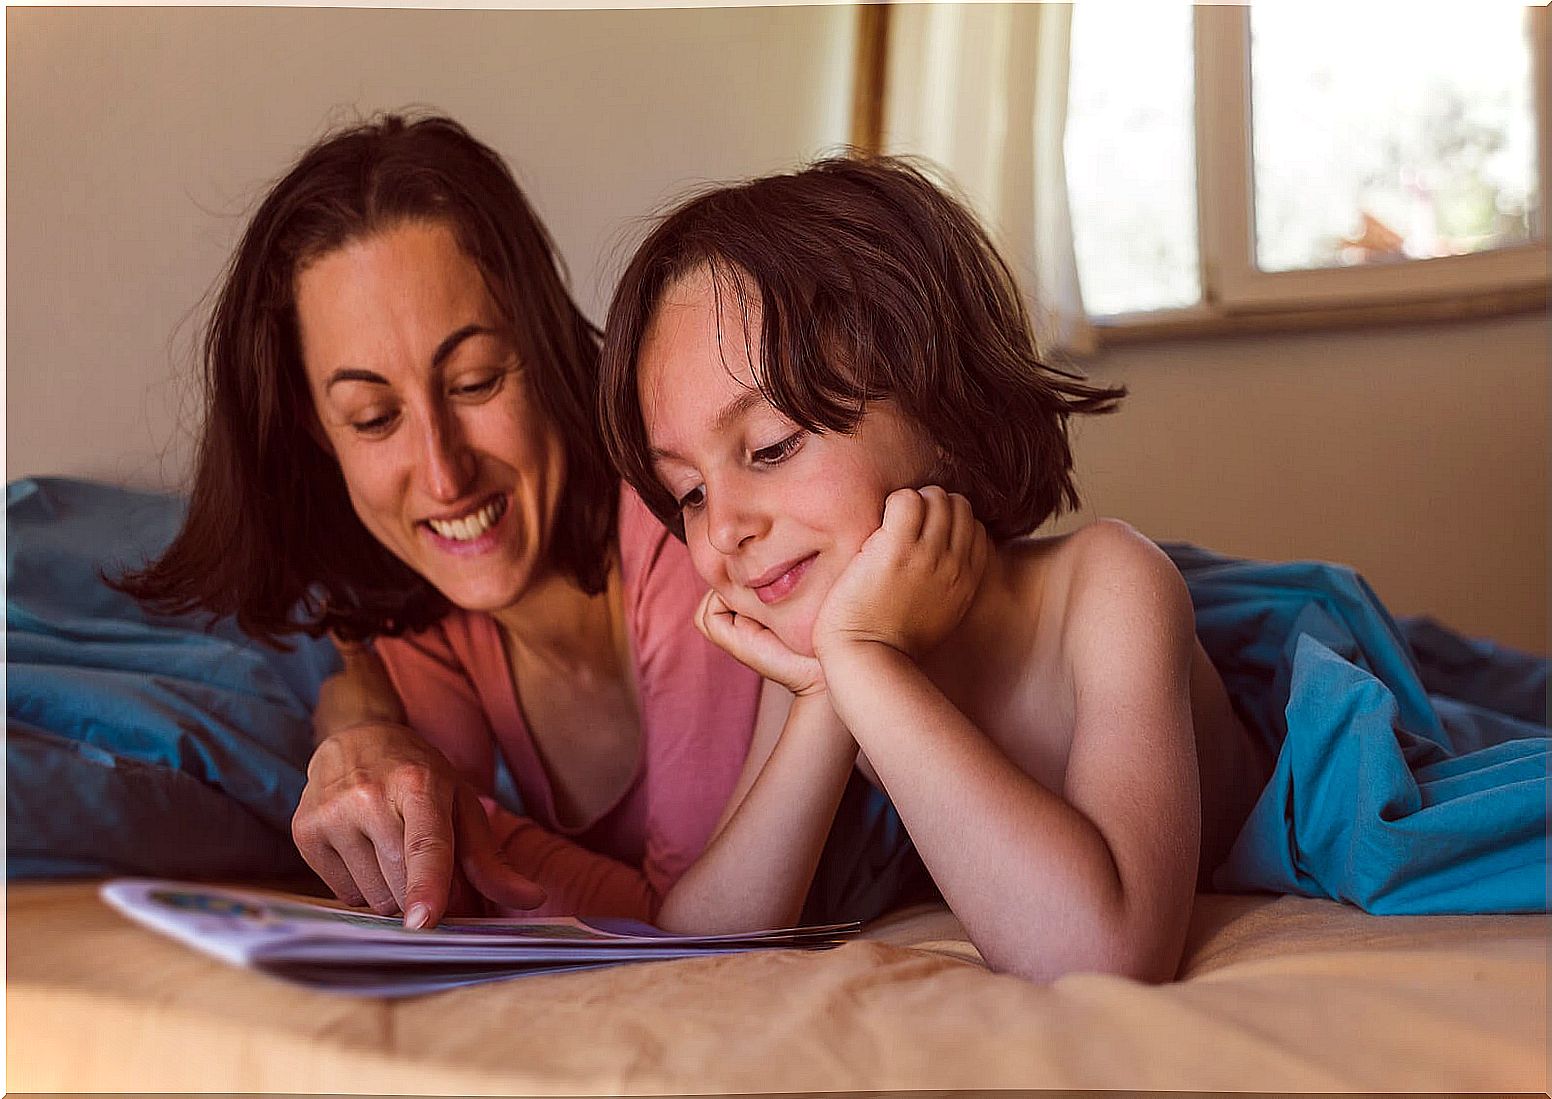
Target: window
[(1232, 162)]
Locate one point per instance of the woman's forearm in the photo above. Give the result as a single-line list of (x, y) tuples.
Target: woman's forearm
[(360, 692), (756, 873)]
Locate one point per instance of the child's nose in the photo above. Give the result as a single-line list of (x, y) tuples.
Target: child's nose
[(732, 520)]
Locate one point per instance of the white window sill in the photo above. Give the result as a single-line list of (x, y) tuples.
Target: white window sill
[(1210, 321)]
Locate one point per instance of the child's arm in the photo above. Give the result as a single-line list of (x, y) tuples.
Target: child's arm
[(1096, 876), (756, 871)]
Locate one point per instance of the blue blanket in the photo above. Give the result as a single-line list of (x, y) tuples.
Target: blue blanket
[(1411, 770), (138, 744), (1411, 763)]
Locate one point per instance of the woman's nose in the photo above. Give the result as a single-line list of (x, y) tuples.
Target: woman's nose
[(447, 464)]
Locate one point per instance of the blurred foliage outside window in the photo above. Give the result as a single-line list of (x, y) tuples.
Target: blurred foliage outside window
[(1379, 133)]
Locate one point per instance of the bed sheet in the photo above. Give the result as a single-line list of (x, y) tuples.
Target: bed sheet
[(1285, 993)]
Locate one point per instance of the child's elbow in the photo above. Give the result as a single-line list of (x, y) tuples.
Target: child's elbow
[(1145, 963), (1153, 969)]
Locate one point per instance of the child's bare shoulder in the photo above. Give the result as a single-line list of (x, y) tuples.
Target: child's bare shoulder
[(1103, 570), (1115, 550)]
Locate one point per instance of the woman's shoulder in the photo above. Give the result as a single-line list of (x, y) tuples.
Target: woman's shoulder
[(655, 566), (465, 641)]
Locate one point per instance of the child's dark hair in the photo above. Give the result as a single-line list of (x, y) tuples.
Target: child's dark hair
[(872, 284)]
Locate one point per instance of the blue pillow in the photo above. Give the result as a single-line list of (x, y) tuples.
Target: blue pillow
[(137, 743)]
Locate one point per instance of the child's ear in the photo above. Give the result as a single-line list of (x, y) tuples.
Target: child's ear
[(942, 466)]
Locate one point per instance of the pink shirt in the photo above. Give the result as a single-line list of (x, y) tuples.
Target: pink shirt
[(697, 707)]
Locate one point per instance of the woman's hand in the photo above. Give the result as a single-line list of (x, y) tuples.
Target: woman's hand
[(384, 820), (751, 644), (912, 581)]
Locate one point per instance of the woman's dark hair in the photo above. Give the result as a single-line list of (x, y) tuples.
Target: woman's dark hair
[(270, 536), (871, 284)]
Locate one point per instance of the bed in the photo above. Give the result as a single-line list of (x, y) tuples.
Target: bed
[(156, 747), (1275, 994)]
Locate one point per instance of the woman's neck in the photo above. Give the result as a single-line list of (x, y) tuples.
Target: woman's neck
[(558, 624)]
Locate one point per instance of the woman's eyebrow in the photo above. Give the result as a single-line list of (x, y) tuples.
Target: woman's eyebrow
[(353, 374), (725, 417), (438, 357), (449, 345)]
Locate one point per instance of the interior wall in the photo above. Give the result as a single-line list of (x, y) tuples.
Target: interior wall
[(1418, 455), (139, 139)]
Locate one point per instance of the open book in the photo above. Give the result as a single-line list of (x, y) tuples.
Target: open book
[(346, 950)]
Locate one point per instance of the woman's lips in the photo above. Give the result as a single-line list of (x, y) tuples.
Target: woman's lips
[(775, 590), (470, 547)]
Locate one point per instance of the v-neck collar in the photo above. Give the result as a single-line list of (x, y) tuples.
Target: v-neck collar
[(515, 741)]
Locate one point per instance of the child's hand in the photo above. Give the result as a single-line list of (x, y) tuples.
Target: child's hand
[(751, 644), (912, 581)]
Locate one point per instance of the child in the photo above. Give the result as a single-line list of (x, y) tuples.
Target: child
[(825, 382)]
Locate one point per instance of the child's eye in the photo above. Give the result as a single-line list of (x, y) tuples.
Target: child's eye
[(693, 499), (778, 452)]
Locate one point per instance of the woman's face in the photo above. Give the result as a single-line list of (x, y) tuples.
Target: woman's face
[(421, 398), (772, 514)]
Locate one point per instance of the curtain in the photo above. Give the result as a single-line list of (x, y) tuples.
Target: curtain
[(981, 90)]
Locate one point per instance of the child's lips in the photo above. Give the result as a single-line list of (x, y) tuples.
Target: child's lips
[(782, 585)]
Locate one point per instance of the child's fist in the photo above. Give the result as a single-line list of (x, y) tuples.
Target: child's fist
[(753, 645), (914, 578)]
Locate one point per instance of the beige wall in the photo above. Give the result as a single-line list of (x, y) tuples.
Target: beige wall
[(1418, 455), (138, 139)]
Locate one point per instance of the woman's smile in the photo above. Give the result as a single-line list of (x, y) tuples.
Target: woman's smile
[(469, 532)]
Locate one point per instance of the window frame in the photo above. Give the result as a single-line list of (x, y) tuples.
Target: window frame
[(1225, 201), (1238, 297), (1250, 301)]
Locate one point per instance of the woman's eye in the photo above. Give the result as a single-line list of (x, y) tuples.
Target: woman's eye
[(375, 426), (479, 388), (778, 452), (693, 499)]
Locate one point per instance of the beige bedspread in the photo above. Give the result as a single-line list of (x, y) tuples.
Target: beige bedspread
[(1275, 994)]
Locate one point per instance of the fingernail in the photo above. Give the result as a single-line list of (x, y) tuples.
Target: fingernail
[(417, 916)]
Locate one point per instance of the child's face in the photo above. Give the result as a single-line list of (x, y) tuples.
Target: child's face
[(772, 514)]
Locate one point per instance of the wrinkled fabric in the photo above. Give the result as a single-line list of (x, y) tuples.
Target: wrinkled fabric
[(1411, 763), (1410, 774), (136, 743)]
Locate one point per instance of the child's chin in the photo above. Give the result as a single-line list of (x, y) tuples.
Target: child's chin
[(798, 638)]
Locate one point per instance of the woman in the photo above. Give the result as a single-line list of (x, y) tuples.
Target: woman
[(400, 444)]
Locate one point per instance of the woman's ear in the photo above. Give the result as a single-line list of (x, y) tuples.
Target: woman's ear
[(321, 437)]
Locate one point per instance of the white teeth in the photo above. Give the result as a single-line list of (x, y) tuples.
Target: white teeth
[(470, 526)]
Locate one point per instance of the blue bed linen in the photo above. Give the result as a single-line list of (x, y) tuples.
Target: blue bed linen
[(1411, 770), (136, 743), (1387, 792)]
